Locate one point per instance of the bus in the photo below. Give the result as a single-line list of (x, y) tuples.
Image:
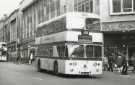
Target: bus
[(3, 51), (71, 44)]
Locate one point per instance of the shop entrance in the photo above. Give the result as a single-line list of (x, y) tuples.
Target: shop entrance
[(131, 53), (119, 43)]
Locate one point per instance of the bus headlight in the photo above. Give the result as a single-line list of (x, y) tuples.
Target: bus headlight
[(73, 63), (71, 70), (96, 64)]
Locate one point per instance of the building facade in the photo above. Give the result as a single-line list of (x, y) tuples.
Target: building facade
[(118, 25), (3, 29), (27, 28), (12, 34)]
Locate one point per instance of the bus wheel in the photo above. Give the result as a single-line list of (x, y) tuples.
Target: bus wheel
[(55, 68), (38, 66)]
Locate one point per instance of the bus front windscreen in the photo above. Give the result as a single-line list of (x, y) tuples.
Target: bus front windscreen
[(76, 51), (93, 51), (85, 51)]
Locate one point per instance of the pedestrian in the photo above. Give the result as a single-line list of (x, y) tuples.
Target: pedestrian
[(31, 58), (18, 59), (21, 58), (110, 63), (105, 63), (124, 66), (119, 63), (7, 56)]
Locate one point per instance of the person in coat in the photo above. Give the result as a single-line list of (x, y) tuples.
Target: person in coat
[(124, 66)]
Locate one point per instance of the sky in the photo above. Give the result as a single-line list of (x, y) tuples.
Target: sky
[(7, 6)]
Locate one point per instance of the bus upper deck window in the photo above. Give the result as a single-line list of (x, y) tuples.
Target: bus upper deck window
[(93, 24)]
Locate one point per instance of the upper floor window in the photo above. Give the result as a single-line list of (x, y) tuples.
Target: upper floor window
[(123, 6), (83, 5)]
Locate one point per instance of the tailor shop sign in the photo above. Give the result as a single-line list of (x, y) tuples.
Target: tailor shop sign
[(118, 26)]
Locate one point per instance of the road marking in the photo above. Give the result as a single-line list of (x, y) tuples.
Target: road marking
[(37, 78), (127, 76)]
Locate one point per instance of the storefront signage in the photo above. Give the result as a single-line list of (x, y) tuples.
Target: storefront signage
[(119, 26)]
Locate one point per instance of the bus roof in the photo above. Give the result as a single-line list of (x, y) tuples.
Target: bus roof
[(70, 15)]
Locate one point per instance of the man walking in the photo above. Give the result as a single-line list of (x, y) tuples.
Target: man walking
[(124, 66), (110, 62)]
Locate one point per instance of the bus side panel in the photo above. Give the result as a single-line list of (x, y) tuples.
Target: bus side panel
[(61, 66), (47, 64)]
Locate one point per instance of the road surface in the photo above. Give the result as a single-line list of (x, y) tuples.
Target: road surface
[(22, 74)]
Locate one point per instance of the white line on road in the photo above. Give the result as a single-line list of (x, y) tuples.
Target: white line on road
[(127, 76), (37, 78)]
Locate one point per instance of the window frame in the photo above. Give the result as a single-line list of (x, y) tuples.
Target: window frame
[(122, 7)]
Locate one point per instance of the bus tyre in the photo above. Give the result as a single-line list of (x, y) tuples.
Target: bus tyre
[(38, 66), (55, 68)]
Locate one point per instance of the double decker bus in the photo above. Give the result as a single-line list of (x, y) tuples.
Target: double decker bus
[(3, 51), (70, 44)]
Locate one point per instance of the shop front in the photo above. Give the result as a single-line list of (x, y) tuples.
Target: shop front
[(119, 40), (122, 44)]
